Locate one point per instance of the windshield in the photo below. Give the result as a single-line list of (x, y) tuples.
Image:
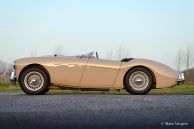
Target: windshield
[(88, 55)]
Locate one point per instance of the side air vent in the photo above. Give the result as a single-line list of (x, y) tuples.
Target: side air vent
[(126, 59)]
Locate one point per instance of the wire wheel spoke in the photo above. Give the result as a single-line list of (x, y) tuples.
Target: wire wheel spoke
[(139, 80), (34, 81)]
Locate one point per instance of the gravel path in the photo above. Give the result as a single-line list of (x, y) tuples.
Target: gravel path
[(95, 111)]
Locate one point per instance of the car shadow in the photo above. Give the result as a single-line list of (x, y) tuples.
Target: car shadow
[(108, 94)]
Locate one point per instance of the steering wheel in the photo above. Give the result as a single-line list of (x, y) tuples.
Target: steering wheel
[(97, 55)]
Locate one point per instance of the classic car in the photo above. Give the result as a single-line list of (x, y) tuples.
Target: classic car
[(36, 75)]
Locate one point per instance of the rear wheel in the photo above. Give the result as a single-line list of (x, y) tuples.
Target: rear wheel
[(138, 80), (34, 81)]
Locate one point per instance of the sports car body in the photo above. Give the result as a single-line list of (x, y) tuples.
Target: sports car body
[(36, 75)]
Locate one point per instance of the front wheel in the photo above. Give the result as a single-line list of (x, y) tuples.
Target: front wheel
[(138, 80), (34, 81)]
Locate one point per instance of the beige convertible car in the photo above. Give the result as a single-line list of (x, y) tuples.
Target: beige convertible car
[(87, 72)]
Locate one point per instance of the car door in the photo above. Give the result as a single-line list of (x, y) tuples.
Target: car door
[(67, 70), (100, 73)]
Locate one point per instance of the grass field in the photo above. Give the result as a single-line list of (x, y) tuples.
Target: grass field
[(183, 89)]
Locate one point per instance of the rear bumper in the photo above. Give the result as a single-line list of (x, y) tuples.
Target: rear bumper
[(180, 78)]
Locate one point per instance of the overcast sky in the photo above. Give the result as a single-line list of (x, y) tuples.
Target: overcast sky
[(153, 29)]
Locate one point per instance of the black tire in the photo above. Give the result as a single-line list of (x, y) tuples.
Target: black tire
[(26, 86), (146, 79)]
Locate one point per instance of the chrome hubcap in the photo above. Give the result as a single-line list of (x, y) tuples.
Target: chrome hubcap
[(139, 81), (33, 81)]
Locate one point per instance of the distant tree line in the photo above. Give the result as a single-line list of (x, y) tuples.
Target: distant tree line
[(184, 62), (5, 71), (118, 53)]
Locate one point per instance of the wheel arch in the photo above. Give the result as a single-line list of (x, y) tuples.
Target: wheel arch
[(34, 66), (141, 66)]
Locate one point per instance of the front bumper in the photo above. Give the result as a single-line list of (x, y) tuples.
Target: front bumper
[(13, 77), (180, 78)]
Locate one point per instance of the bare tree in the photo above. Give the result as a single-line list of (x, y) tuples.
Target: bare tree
[(188, 56), (188, 62), (5, 71), (2, 66), (59, 50), (118, 53), (179, 60), (122, 52), (33, 52), (109, 54)]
